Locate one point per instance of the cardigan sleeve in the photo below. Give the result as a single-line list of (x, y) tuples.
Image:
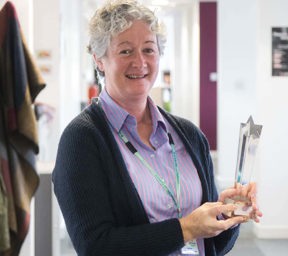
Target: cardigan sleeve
[(86, 195)]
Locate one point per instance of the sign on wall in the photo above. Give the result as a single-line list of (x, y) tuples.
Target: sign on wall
[(280, 51)]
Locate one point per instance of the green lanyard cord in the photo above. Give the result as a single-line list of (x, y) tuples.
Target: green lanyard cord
[(160, 180)]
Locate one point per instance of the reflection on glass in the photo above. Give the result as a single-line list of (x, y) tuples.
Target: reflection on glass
[(249, 137)]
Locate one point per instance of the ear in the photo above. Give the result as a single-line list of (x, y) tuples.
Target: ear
[(98, 62)]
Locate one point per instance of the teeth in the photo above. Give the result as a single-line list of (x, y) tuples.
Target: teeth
[(135, 76)]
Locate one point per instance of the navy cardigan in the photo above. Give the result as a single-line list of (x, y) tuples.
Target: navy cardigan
[(101, 207)]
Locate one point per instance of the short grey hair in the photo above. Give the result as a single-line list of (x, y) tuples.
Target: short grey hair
[(116, 16)]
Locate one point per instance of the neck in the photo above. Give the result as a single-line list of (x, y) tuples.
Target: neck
[(144, 116), (139, 110), (144, 120), (137, 107)]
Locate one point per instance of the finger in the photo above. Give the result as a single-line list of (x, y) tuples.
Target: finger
[(248, 191), (238, 190), (253, 199), (233, 221), (238, 186), (225, 209), (228, 193), (251, 189), (257, 214), (212, 204), (255, 219)]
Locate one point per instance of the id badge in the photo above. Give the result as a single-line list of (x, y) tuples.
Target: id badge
[(190, 248)]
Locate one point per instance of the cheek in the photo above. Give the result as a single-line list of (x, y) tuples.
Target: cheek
[(118, 65), (111, 67), (155, 61), (155, 65)]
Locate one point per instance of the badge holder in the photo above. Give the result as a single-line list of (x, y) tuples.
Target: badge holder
[(190, 248)]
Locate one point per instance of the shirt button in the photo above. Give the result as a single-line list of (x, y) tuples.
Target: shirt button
[(152, 155), (169, 206)]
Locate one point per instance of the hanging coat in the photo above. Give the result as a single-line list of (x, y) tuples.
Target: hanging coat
[(20, 83)]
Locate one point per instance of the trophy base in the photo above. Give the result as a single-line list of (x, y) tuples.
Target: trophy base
[(244, 207)]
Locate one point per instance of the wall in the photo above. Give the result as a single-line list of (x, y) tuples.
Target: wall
[(273, 106), (186, 62), (47, 39), (237, 56), (247, 87)]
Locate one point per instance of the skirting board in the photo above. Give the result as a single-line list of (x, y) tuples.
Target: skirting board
[(270, 232)]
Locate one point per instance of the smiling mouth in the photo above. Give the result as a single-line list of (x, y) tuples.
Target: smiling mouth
[(135, 76)]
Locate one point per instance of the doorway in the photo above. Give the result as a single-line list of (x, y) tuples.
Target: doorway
[(208, 69)]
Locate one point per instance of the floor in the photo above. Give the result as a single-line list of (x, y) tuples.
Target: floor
[(247, 244)]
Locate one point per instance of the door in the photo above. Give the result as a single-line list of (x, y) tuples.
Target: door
[(208, 69)]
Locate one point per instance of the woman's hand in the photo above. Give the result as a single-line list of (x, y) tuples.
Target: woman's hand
[(245, 193), (203, 222)]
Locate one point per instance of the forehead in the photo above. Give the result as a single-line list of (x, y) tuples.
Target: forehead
[(139, 31)]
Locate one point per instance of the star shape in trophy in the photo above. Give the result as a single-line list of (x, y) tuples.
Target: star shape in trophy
[(249, 137)]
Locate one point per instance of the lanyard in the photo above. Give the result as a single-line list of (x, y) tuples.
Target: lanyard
[(160, 180)]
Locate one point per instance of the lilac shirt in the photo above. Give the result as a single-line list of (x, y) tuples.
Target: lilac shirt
[(157, 203)]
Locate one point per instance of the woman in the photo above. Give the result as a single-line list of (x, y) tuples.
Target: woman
[(130, 178)]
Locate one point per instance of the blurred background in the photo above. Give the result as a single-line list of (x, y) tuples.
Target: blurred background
[(224, 61)]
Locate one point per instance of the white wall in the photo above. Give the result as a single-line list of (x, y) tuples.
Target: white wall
[(247, 87), (273, 106), (185, 80), (237, 58), (47, 38)]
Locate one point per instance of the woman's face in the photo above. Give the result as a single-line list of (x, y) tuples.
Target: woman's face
[(131, 63)]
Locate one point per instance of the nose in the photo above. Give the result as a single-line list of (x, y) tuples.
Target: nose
[(139, 60)]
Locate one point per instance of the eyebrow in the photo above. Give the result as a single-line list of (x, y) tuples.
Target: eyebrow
[(146, 42)]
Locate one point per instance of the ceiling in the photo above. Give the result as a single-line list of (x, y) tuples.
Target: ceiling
[(159, 3), (165, 6), (166, 3)]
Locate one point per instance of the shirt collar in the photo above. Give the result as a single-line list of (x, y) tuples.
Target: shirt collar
[(117, 116)]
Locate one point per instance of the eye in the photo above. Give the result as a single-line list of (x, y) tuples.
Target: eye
[(125, 52), (149, 50)]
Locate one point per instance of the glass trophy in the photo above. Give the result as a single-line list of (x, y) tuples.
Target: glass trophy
[(249, 137)]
